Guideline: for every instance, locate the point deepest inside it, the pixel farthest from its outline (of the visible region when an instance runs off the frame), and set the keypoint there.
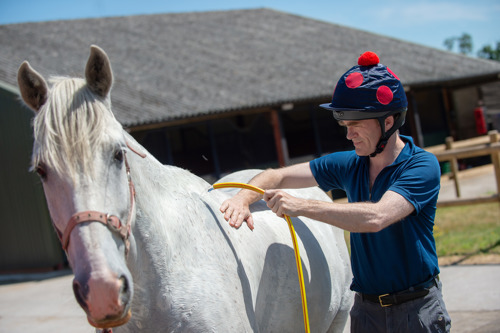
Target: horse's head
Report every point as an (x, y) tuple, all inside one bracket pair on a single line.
[(79, 153)]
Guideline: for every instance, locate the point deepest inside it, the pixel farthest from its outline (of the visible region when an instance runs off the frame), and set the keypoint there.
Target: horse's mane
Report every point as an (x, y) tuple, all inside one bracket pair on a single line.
[(69, 124)]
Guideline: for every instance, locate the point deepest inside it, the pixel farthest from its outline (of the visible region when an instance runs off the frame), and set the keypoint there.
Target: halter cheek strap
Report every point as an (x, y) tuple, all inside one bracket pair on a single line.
[(111, 221)]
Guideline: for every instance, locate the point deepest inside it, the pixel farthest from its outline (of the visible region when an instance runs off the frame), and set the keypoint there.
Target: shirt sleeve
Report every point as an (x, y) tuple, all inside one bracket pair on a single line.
[(330, 170), (419, 182)]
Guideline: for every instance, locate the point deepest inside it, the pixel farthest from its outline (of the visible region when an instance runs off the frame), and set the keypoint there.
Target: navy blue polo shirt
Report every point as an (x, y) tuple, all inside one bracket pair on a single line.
[(404, 254)]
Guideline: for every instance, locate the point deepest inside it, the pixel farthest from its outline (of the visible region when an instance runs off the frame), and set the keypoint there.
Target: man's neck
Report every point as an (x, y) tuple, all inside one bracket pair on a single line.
[(392, 150)]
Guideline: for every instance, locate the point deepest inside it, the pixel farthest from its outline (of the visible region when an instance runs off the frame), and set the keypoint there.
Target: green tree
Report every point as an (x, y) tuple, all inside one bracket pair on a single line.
[(464, 43), (449, 42), (488, 52)]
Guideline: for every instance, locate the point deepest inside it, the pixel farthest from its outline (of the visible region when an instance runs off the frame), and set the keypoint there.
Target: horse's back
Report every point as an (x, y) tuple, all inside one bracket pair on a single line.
[(268, 257)]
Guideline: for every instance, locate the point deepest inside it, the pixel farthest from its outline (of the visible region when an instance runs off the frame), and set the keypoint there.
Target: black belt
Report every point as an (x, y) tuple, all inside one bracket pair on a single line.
[(402, 297)]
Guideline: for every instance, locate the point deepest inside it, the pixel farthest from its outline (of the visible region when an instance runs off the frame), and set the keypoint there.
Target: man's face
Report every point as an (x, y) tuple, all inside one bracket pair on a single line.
[(364, 134)]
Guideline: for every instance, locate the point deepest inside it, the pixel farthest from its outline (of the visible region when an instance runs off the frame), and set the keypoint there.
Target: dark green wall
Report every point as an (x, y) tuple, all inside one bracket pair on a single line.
[(27, 238)]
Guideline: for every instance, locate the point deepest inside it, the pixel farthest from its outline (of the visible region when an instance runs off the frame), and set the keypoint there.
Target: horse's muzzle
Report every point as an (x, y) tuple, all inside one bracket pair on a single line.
[(105, 301)]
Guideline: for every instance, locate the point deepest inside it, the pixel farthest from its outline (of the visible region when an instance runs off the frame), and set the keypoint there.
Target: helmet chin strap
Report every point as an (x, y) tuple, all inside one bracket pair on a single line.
[(399, 120), (380, 146)]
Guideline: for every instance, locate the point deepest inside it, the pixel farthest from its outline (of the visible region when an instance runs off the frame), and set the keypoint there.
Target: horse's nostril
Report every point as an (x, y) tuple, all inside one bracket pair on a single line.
[(124, 284), (80, 294), (124, 290)]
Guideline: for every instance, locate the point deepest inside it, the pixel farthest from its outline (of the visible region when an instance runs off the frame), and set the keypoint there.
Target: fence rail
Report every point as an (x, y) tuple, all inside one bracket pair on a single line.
[(452, 151)]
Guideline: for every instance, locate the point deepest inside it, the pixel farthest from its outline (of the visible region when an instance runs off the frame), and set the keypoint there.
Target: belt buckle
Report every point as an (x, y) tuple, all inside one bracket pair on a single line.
[(381, 302)]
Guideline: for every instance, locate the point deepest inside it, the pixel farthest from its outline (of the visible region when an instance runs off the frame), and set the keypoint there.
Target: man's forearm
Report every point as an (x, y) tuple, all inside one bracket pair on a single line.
[(360, 216), (353, 217), (267, 179)]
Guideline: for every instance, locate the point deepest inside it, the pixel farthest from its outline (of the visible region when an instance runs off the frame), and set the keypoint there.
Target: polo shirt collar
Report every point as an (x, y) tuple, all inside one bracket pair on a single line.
[(407, 151), (404, 155)]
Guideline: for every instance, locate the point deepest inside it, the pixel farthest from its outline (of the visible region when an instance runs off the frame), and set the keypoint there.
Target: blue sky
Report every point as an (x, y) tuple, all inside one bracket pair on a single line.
[(426, 22)]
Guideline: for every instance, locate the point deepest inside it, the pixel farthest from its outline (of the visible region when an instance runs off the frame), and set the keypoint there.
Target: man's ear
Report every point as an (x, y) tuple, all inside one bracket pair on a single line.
[(389, 122)]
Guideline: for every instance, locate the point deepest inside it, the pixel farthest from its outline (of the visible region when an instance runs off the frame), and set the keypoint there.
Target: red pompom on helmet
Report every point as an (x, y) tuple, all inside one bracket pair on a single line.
[(368, 59)]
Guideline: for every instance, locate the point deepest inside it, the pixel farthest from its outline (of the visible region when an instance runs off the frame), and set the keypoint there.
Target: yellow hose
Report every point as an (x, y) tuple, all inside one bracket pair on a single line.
[(294, 241)]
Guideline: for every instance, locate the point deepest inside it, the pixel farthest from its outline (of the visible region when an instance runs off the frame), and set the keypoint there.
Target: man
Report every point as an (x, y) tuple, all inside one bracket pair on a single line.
[(392, 187)]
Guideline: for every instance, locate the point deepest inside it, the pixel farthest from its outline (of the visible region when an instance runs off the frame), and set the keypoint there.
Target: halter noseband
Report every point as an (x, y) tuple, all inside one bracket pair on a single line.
[(111, 221)]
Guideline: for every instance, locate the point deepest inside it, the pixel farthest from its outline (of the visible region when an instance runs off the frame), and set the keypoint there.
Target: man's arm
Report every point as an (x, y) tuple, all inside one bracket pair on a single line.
[(236, 209), (353, 217)]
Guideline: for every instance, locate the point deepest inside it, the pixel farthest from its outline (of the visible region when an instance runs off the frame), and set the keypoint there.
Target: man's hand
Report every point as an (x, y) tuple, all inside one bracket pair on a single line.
[(236, 211), (282, 203)]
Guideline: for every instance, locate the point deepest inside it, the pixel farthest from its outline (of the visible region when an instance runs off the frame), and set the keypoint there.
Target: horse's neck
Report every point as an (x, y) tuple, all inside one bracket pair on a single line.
[(163, 189), (165, 196)]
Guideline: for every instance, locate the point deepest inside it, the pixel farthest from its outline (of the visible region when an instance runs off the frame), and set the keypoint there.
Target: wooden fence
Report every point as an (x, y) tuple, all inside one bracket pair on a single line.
[(452, 151)]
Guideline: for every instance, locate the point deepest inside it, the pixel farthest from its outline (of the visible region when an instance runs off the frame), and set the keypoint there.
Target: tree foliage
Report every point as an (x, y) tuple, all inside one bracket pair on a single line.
[(464, 43), (488, 52), (465, 46)]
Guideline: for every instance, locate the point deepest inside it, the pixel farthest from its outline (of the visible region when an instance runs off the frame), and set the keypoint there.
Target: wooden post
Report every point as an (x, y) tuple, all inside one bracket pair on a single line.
[(453, 166), (447, 110), (416, 127), (279, 139), (495, 157)]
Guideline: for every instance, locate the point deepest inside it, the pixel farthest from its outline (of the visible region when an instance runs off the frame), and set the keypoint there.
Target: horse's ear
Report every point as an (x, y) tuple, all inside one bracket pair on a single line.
[(98, 72), (32, 86)]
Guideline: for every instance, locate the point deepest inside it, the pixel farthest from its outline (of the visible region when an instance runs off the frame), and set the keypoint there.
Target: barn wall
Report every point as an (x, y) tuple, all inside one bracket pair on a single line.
[(27, 239)]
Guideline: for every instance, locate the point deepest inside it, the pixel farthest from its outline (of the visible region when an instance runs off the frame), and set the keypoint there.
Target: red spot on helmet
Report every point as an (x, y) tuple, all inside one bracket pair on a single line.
[(368, 59), (384, 95), (354, 80)]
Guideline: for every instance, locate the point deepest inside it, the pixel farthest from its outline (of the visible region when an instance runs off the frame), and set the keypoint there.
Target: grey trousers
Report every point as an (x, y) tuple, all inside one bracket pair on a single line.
[(425, 314)]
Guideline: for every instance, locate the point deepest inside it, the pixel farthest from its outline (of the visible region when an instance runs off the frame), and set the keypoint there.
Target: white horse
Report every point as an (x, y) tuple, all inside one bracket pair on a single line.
[(159, 257)]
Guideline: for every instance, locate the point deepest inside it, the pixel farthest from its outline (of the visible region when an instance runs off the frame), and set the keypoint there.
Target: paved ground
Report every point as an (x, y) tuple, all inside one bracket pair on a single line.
[(472, 296), (44, 303), (473, 183)]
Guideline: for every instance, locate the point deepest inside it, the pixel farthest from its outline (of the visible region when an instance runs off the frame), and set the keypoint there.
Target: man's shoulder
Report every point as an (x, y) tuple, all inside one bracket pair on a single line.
[(423, 155), (336, 161), (416, 151), (342, 157)]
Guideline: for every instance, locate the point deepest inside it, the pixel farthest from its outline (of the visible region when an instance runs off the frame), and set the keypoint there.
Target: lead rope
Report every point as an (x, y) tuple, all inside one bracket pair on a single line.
[(294, 241)]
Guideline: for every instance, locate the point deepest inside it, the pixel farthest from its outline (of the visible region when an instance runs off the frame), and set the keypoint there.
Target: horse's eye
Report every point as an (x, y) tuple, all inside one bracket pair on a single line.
[(119, 155), (41, 171)]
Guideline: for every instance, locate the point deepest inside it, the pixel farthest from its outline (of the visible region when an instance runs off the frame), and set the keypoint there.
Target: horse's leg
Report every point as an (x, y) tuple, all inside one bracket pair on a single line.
[(338, 324), (340, 320)]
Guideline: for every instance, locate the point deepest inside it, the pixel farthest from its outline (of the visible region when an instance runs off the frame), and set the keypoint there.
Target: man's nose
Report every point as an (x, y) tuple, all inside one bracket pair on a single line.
[(350, 133)]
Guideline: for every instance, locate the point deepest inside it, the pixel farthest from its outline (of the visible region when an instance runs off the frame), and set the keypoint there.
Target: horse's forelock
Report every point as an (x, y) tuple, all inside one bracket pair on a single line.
[(72, 121)]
